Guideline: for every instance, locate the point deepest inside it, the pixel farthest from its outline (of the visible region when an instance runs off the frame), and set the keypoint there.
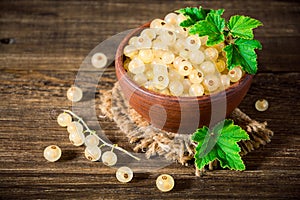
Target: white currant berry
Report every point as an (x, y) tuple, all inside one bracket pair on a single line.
[(91, 140), (130, 51), (177, 61), (165, 182), (196, 57), (196, 76), (76, 139), (225, 81), (261, 105), (235, 74), (52, 153), (220, 65), (146, 55), (149, 32), (109, 158), (124, 174), (157, 23), (92, 153), (196, 90), (211, 53), (141, 78), (99, 60), (74, 94), (208, 67), (64, 119), (136, 66), (192, 43), (211, 83), (75, 127), (168, 37), (185, 68), (176, 88), (167, 57), (171, 18), (143, 42)]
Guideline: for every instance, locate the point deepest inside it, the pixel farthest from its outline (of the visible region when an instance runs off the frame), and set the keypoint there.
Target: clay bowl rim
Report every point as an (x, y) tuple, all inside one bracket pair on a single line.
[(205, 98)]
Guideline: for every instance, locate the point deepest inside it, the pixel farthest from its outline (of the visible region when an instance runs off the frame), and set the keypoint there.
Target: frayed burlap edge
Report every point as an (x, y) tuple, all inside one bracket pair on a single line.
[(173, 146)]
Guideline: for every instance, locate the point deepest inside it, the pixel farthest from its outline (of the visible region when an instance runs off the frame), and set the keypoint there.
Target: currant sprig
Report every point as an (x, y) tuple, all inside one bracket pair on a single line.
[(92, 152)]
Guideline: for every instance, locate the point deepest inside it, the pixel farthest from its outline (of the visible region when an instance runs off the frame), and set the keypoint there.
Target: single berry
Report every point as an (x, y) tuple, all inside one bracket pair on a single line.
[(52, 153)]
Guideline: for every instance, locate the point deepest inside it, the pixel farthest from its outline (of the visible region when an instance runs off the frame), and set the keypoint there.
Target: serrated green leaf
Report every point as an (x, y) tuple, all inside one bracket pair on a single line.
[(232, 161), (200, 134), (187, 23), (219, 11), (221, 144), (242, 26), (193, 13), (212, 26), (242, 53), (202, 161)]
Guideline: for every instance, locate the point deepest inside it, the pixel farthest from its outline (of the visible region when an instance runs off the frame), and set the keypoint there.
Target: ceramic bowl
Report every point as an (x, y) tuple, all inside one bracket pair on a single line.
[(178, 114)]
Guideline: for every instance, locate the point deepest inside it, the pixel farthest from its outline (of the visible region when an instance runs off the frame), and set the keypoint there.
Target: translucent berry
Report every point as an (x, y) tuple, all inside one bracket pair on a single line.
[(143, 42), (165, 183), (130, 51), (149, 74), (76, 139), (99, 60), (186, 85), (225, 81), (174, 75), (52, 153), (146, 55), (149, 32), (75, 127), (140, 79), (92, 153), (159, 45), (176, 88), (208, 67), (177, 61), (211, 53), (235, 74), (211, 83), (192, 43), (91, 140), (157, 23), (167, 57), (64, 119), (184, 53), (196, 76), (136, 66), (74, 94), (168, 37), (196, 57), (261, 105), (196, 90), (171, 18), (220, 65), (160, 81), (185, 68), (109, 158), (124, 174)]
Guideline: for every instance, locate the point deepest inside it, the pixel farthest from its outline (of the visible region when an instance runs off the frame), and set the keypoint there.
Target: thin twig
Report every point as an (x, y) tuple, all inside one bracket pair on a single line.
[(94, 132)]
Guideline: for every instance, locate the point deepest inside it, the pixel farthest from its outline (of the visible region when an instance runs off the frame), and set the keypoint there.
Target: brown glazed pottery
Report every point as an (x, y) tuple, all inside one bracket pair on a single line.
[(178, 114)]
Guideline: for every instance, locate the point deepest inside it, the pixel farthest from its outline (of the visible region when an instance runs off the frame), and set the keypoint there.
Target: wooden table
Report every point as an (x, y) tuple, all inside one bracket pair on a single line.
[(51, 39)]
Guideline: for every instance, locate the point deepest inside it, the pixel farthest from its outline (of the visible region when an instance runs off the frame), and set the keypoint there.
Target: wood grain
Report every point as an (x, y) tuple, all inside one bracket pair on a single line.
[(51, 40)]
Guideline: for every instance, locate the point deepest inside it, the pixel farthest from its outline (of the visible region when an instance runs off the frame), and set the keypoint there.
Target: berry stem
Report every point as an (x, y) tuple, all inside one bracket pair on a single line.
[(88, 130)]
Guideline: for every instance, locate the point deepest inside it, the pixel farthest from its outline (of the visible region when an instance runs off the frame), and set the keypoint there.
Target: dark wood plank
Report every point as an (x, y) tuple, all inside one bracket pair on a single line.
[(52, 38)]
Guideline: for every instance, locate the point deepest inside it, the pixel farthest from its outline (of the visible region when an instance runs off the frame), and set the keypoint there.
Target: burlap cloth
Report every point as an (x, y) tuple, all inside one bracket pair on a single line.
[(173, 146)]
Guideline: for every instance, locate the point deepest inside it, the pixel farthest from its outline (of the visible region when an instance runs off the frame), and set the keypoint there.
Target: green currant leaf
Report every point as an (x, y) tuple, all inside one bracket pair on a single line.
[(242, 26), (212, 26), (220, 143), (193, 15), (218, 12), (242, 53)]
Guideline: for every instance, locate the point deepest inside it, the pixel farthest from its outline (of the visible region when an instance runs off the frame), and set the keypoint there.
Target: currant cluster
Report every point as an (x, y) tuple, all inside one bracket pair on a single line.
[(166, 59)]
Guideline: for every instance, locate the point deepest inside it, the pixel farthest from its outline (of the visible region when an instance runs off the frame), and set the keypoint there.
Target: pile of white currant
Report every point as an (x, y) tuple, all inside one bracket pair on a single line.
[(166, 59)]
